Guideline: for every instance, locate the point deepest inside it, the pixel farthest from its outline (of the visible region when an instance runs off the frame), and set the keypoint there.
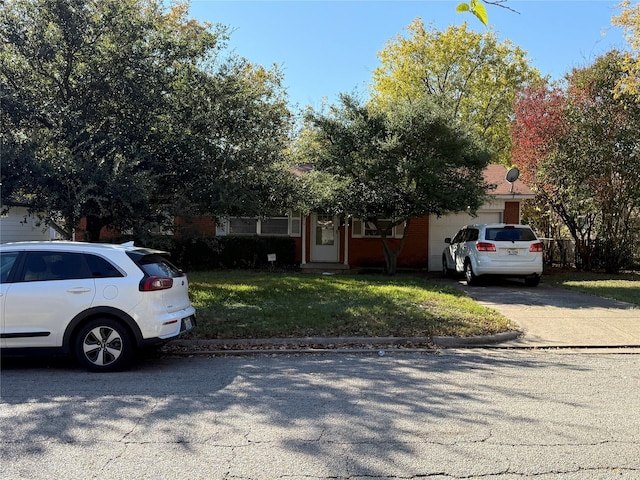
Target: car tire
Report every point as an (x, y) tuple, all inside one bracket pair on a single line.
[(532, 281), (469, 276), (104, 345), (446, 271)]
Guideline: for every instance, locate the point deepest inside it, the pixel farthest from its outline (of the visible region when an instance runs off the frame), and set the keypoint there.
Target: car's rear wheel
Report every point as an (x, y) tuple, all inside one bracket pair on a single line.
[(446, 271), (469, 276), (532, 281), (104, 345)]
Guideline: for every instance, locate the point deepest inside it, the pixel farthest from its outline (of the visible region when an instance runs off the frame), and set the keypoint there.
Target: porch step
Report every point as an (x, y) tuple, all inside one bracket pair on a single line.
[(317, 267)]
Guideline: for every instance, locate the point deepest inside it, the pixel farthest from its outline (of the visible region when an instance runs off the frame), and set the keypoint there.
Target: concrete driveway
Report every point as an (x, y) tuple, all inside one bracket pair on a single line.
[(555, 317)]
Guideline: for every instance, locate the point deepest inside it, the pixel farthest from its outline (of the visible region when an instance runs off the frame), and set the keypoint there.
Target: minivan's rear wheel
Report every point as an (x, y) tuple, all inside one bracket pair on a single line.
[(104, 345), (469, 276), (532, 281), (446, 271)]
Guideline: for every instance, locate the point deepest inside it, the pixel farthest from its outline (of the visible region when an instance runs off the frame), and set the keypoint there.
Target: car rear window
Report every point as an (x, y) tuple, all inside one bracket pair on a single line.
[(510, 234), (155, 265)]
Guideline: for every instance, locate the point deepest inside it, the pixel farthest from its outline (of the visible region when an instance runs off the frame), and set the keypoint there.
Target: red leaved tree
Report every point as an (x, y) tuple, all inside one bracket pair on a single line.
[(578, 148), (539, 129)]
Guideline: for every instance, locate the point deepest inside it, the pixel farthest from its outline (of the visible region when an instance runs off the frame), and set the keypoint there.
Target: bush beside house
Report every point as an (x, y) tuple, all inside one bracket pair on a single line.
[(206, 253)]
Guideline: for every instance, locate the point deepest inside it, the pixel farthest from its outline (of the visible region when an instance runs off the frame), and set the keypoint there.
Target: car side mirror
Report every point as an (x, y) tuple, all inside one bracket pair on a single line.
[(447, 240)]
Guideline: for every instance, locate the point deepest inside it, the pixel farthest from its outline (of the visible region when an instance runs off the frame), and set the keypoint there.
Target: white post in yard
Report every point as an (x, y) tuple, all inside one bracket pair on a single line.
[(346, 240), (304, 240)]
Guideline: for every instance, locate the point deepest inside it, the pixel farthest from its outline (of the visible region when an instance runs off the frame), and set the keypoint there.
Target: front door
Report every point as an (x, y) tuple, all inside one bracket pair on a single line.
[(324, 238)]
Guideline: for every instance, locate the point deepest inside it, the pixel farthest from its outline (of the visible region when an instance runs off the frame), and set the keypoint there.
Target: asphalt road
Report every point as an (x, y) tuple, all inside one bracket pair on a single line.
[(472, 414)]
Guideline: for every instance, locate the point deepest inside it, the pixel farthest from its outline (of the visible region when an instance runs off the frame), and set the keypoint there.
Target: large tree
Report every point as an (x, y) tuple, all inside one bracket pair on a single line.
[(389, 166), (579, 147), (629, 20), (124, 111), (473, 76)]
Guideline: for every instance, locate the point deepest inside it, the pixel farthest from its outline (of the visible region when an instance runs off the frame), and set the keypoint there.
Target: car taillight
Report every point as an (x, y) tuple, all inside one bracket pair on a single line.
[(151, 284), (485, 247), (536, 247)]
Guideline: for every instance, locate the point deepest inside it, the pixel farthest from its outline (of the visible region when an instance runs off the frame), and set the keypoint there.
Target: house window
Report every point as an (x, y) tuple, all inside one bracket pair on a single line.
[(295, 222), (275, 226), (157, 229), (242, 226), (366, 229)]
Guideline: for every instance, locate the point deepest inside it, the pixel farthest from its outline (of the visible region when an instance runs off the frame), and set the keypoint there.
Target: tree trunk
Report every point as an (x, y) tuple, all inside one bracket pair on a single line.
[(390, 258), (94, 225), (391, 255)]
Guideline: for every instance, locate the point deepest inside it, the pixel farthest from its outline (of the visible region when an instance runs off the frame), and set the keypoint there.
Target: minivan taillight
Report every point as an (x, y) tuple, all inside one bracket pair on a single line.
[(485, 247), (151, 284), (536, 247)]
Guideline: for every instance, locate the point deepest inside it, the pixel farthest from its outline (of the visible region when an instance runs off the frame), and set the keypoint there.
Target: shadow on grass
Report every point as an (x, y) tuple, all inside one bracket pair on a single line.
[(259, 305)]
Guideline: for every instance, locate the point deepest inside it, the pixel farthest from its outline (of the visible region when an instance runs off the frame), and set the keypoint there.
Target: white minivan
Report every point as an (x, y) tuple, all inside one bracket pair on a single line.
[(99, 302), (509, 250)]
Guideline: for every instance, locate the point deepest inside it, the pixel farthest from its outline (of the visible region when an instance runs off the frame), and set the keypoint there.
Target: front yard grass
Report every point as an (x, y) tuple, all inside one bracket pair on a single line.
[(243, 304), (624, 287)]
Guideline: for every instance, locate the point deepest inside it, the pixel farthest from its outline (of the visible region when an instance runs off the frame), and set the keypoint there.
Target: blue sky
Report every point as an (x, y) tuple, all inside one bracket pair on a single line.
[(327, 47)]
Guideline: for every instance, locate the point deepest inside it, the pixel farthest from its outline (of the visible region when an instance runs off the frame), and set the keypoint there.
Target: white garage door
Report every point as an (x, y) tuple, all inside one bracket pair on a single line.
[(447, 226)]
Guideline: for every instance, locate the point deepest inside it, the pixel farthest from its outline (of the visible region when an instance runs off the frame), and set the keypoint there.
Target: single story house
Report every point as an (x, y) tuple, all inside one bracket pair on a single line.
[(325, 242)]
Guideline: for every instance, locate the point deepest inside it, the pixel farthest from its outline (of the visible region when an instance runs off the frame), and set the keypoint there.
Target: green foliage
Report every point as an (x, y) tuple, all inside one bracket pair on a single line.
[(75, 105), (623, 287), (477, 8), (204, 253), (237, 304), (472, 76), (586, 166), (403, 162), (123, 111), (629, 20)]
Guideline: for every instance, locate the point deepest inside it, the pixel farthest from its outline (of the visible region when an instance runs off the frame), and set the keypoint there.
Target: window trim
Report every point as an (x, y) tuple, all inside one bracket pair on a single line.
[(294, 226), (359, 229)]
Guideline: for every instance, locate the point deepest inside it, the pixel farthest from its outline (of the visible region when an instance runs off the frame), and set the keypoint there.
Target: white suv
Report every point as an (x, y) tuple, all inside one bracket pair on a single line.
[(98, 301), (494, 249)]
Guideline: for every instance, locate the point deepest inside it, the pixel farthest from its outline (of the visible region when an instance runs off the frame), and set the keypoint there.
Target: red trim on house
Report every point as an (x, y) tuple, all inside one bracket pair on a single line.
[(511, 212)]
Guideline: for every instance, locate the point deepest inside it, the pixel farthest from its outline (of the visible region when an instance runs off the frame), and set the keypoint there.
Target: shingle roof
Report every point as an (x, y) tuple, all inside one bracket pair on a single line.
[(495, 175)]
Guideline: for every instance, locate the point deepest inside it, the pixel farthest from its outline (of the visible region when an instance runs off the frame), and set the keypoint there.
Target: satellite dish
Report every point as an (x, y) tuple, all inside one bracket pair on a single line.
[(512, 175)]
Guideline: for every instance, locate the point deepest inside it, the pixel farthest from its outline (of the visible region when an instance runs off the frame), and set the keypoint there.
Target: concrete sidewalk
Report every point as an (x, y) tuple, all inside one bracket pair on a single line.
[(555, 317)]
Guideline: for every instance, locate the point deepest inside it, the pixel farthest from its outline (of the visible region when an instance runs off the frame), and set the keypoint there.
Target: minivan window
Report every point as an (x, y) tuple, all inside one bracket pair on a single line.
[(472, 235), (510, 234), (459, 236)]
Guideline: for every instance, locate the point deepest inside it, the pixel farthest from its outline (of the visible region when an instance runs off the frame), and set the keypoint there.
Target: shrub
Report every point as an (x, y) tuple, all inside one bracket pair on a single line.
[(206, 253)]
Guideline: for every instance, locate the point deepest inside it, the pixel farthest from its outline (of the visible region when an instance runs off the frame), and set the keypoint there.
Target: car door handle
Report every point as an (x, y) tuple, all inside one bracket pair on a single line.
[(79, 290)]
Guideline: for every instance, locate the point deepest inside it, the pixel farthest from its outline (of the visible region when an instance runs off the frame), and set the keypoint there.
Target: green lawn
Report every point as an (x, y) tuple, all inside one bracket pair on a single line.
[(241, 304), (625, 287)]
